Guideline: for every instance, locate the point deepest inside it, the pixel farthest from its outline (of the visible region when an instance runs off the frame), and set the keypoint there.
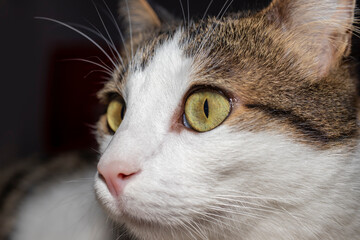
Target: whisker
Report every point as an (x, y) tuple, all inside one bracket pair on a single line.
[(204, 235), (97, 32), (253, 194), (99, 59), (107, 33), (247, 214), (130, 29), (197, 229), (183, 12), (95, 71), (296, 219), (207, 9), (80, 180), (210, 30), (215, 220), (188, 13), (120, 236), (82, 34), (230, 219), (95, 150), (118, 29), (189, 230), (208, 35), (259, 208), (254, 197), (110, 45), (106, 69)]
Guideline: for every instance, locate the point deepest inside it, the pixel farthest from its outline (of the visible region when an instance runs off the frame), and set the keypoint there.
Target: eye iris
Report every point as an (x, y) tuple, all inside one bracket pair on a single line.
[(115, 113), (205, 110)]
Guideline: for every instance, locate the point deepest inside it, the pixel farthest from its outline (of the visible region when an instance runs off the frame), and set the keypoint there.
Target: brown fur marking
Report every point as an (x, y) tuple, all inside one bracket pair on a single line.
[(266, 62)]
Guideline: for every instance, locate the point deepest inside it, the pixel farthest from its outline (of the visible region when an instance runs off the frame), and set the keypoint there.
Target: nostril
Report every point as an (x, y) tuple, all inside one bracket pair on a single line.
[(123, 176), (116, 176)]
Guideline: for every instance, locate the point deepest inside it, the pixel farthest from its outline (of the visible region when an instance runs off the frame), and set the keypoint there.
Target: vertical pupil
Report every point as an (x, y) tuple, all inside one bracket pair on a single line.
[(206, 108), (122, 112)]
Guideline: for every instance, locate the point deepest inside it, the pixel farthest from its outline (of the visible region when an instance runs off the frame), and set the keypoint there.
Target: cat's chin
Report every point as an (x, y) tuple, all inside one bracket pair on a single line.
[(122, 214), (133, 222)]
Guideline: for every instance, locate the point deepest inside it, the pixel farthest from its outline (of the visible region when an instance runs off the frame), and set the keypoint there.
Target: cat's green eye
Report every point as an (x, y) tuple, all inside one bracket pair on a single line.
[(205, 110), (115, 113)]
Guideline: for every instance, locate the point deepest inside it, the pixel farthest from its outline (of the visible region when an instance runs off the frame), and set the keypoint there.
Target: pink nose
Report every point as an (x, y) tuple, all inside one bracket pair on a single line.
[(116, 176)]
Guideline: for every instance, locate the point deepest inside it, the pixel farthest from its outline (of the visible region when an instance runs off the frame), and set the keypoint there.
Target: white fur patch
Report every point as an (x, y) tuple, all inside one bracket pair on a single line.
[(65, 209), (151, 97)]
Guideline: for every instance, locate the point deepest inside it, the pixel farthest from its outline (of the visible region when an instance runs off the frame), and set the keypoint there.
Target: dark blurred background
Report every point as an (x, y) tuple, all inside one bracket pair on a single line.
[(48, 103)]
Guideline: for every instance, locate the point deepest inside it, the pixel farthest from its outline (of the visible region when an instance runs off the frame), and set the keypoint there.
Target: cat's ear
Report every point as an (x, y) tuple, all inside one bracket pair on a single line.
[(138, 15), (320, 28)]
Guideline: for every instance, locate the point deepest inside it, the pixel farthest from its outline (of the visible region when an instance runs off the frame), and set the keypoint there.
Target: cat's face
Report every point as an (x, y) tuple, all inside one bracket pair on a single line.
[(214, 126)]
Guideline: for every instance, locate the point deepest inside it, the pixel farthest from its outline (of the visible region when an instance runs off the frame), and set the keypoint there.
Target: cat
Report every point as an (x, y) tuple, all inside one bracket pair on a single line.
[(242, 126)]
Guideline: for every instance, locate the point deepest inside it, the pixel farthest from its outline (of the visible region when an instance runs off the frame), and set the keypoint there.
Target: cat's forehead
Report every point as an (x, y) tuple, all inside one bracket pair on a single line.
[(166, 74), (208, 44), (246, 57), (157, 65)]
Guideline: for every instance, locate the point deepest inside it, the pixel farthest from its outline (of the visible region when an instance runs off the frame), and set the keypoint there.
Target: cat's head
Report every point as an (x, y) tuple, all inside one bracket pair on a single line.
[(216, 123)]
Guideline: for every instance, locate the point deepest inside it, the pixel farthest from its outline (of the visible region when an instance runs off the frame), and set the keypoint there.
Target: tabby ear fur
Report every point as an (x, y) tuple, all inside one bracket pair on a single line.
[(319, 29), (137, 16)]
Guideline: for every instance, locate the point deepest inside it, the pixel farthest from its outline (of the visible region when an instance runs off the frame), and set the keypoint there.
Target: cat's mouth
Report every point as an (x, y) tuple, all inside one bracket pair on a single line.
[(130, 211), (139, 218), (139, 212)]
